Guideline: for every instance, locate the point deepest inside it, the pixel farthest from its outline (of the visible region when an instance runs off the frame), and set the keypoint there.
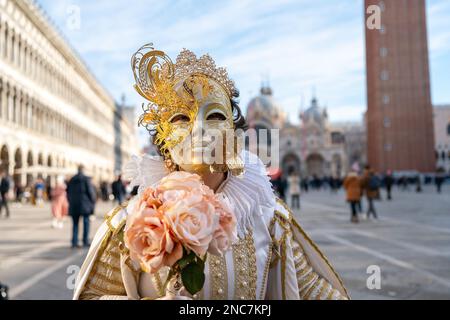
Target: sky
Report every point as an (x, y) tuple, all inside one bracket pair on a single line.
[(298, 46)]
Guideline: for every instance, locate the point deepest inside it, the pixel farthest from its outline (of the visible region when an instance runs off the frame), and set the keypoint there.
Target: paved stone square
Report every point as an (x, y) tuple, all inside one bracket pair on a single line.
[(409, 244)]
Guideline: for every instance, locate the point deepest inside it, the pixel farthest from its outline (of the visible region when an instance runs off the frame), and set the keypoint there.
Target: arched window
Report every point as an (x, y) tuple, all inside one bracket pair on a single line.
[(448, 129)]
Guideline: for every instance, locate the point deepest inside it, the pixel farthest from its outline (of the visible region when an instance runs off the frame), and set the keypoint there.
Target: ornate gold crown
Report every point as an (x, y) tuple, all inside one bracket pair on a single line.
[(152, 68), (188, 64)]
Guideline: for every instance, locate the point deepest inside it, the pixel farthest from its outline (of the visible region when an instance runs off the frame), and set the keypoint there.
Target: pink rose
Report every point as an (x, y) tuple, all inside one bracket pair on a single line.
[(193, 221), (183, 181), (190, 211), (150, 241), (151, 197), (180, 212)]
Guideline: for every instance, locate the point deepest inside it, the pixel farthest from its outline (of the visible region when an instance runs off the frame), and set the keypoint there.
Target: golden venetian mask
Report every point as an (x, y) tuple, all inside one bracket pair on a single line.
[(190, 111)]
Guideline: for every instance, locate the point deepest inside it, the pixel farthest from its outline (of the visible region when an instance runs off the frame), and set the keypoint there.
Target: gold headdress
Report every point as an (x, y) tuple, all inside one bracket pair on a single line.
[(156, 77)]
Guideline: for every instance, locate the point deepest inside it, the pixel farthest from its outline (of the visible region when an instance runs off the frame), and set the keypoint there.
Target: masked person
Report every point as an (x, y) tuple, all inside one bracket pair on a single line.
[(191, 113)]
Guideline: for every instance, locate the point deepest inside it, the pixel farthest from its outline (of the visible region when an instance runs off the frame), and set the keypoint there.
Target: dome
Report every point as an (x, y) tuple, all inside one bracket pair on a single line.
[(315, 113), (263, 108)]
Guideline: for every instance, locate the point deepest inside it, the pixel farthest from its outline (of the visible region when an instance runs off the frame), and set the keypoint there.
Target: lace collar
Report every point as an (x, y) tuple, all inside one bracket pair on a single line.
[(246, 192)]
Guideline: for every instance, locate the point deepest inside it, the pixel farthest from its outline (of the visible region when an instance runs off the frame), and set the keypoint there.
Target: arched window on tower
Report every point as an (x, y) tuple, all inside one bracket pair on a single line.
[(448, 129)]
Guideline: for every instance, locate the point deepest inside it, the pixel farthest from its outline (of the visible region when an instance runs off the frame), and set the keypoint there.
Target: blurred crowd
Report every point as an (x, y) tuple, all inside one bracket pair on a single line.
[(42, 191), (75, 197), (78, 196), (358, 184)]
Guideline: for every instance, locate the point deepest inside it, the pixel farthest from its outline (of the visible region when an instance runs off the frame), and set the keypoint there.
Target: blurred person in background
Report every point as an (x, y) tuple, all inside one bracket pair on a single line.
[(59, 203), (404, 183), (418, 180), (283, 187), (278, 183), (305, 184), (39, 192), (5, 186), (352, 186), (118, 190), (48, 190), (81, 197), (388, 182), (104, 191), (357, 169), (19, 193), (294, 189), (371, 185), (27, 194), (439, 179)]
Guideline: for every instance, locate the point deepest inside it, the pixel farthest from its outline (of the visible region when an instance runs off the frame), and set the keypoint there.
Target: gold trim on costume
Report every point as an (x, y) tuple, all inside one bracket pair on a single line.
[(321, 255), (315, 247), (105, 277), (158, 283), (266, 271), (244, 259), (218, 277)]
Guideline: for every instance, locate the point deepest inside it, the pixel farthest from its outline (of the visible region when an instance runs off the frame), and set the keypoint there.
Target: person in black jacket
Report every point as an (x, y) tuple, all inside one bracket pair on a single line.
[(118, 190), (388, 182), (81, 196), (4, 189)]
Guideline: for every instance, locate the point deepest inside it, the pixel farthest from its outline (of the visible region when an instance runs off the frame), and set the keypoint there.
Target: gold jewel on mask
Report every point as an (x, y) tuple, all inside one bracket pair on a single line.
[(234, 163)]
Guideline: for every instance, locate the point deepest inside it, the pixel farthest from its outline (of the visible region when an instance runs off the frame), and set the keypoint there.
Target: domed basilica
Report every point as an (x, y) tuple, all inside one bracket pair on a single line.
[(315, 147)]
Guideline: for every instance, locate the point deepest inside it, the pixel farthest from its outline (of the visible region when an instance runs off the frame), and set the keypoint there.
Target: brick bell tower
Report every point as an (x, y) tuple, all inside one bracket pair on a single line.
[(399, 109)]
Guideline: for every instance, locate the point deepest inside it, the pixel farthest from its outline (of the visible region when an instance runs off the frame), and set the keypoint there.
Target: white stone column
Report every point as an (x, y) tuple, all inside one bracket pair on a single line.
[(2, 38), (12, 163), (9, 103), (23, 174), (3, 100)]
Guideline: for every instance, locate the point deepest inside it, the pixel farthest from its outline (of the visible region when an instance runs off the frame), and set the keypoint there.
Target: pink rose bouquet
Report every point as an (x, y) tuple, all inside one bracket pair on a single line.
[(176, 224)]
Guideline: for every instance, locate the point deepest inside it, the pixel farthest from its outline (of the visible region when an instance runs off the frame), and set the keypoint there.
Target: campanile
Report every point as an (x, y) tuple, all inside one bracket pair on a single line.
[(399, 109)]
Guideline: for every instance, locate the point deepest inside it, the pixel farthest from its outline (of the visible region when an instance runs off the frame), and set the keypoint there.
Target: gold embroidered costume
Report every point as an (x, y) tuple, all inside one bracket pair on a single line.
[(284, 271), (273, 259)]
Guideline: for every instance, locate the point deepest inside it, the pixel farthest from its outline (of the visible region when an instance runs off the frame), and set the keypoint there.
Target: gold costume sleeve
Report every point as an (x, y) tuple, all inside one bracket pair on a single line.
[(313, 279), (105, 280), (311, 286)]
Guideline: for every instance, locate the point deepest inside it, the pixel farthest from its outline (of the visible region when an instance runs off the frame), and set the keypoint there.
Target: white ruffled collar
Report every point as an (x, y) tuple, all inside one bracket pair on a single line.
[(246, 192)]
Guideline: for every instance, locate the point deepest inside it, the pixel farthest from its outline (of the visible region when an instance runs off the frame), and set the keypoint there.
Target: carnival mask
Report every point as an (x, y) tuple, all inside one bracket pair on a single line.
[(190, 111)]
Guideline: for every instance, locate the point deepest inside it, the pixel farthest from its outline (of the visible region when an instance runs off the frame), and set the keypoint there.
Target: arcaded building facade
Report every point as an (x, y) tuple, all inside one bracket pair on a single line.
[(54, 115)]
